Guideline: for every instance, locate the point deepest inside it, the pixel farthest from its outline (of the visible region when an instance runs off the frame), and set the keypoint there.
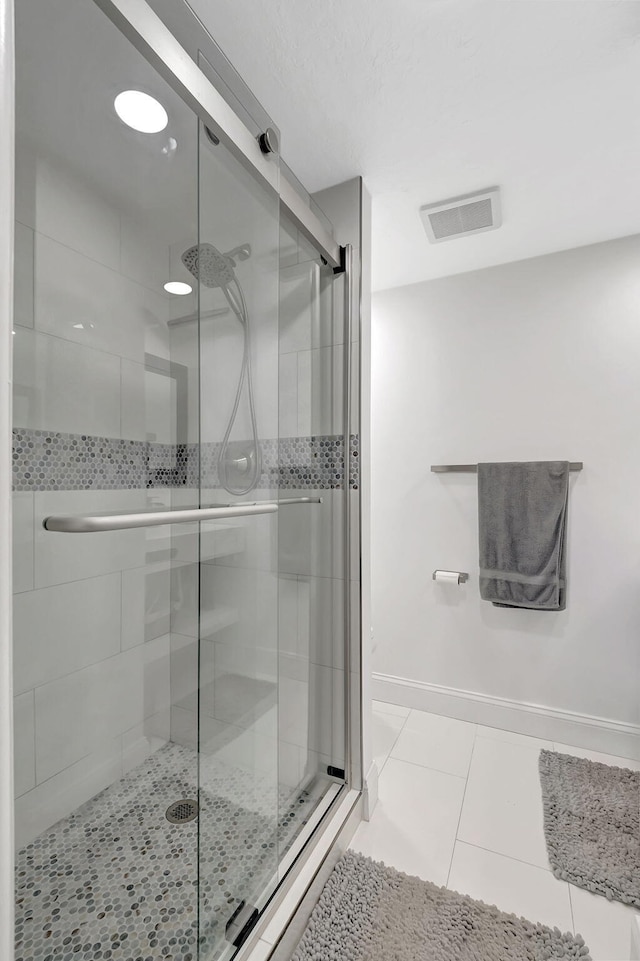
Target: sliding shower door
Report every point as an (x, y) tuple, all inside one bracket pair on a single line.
[(146, 380)]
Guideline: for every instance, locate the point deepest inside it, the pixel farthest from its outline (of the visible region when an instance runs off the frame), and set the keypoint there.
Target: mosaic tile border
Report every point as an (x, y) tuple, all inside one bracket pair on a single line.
[(51, 461)]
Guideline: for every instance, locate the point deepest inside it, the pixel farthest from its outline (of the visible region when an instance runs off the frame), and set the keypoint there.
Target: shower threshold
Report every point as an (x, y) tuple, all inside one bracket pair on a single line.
[(116, 881)]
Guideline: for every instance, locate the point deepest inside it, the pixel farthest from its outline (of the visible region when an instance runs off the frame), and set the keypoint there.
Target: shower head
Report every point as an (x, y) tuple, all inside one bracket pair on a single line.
[(209, 266)]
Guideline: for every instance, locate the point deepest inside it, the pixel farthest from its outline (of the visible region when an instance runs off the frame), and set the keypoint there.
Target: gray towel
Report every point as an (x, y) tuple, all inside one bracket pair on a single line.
[(522, 513)]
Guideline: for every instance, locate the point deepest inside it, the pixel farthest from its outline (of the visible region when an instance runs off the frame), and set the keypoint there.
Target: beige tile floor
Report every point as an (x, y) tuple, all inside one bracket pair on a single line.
[(460, 805)]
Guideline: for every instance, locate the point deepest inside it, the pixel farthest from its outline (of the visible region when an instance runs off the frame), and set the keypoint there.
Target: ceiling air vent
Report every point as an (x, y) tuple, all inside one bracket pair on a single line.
[(461, 216)]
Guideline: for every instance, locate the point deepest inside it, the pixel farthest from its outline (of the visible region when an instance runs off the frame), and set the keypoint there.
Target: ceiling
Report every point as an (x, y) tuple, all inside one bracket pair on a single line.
[(429, 99)]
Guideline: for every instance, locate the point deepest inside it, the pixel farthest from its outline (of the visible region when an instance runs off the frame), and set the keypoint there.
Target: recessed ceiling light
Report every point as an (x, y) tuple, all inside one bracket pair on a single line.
[(140, 111), (177, 287)]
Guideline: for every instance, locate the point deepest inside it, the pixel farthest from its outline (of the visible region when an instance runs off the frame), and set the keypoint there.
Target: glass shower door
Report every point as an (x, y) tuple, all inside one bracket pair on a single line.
[(236, 267), (144, 652)]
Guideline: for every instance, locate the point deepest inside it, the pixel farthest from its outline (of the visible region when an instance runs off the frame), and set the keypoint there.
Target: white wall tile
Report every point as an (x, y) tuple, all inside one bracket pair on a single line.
[(74, 214), (291, 764), (252, 752), (327, 712), (146, 605), (63, 557), (24, 759), (143, 257), (306, 308), (258, 534), (64, 628), (156, 685), (77, 713), (294, 711), (224, 539), (81, 300), (185, 598), (250, 660), (23, 276), (295, 321), (63, 386), (247, 599), (288, 395), (184, 671), (63, 793), (143, 740), (320, 390), (310, 538), (184, 727), (23, 520), (132, 627), (321, 620), (304, 392), (133, 420), (288, 638)]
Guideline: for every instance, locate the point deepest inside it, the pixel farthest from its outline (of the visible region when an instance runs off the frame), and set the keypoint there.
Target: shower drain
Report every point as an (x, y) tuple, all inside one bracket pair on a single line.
[(182, 811)]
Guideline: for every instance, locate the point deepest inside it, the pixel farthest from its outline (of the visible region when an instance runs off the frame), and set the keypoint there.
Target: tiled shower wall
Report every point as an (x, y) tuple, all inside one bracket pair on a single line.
[(91, 612)]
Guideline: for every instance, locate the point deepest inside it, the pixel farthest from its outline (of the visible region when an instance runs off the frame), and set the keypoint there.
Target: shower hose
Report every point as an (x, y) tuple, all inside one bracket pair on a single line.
[(251, 464)]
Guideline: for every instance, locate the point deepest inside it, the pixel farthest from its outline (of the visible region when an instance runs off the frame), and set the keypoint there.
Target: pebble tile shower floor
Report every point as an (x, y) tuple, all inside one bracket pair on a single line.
[(117, 881)]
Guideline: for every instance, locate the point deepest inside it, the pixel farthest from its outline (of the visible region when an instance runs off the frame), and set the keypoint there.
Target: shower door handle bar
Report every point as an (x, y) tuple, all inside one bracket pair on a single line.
[(92, 523), (285, 501)]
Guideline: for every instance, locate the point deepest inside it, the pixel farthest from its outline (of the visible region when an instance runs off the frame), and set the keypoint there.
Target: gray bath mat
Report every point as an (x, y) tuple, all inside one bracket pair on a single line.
[(592, 824), (369, 912)]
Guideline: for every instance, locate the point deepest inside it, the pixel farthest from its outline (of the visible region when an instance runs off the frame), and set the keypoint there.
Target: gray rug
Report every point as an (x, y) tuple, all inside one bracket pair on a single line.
[(592, 824), (369, 912)]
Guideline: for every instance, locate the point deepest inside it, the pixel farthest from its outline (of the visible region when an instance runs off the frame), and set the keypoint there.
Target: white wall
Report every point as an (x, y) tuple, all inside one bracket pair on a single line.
[(534, 360)]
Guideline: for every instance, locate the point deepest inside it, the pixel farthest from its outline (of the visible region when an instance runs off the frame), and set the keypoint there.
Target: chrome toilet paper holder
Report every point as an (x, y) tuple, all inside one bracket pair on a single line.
[(463, 577)]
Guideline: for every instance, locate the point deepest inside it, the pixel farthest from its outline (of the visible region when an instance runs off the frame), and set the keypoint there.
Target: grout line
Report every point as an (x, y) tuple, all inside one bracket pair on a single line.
[(437, 770), (400, 730), (573, 920), (509, 857), (464, 794)]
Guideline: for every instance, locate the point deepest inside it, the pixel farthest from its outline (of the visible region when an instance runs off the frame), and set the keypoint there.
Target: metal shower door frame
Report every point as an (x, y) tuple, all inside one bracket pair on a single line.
[(145, 30)]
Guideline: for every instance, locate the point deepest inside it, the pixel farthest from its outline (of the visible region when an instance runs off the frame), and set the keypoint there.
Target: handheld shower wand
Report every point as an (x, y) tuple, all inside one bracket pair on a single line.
[(214, 269)]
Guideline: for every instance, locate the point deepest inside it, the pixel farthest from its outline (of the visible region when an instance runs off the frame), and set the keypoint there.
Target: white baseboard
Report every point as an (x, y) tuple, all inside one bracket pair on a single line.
[(567, 727)]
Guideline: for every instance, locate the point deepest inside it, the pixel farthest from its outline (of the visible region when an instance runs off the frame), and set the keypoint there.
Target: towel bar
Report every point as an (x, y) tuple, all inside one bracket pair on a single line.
[(473, 468)]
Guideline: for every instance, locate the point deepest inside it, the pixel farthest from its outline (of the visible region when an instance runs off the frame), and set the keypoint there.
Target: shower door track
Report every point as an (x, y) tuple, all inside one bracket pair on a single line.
[(146, 31)]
